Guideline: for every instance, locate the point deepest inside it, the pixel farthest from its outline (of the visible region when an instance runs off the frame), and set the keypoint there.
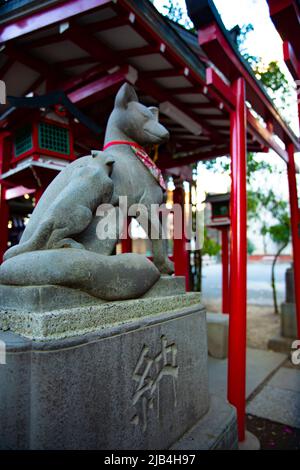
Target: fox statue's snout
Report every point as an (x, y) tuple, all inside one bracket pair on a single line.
[(155, 132), (137, 121)]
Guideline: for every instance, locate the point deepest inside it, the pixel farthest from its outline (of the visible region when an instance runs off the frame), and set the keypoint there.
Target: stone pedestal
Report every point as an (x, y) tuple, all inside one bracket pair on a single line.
[(289, 286), (288, 330), (288, 320), (217, 334), (118, 375), (288, 308)]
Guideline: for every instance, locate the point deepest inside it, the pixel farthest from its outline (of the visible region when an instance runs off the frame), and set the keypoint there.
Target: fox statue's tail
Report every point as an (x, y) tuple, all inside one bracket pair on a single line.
[(119, 277)]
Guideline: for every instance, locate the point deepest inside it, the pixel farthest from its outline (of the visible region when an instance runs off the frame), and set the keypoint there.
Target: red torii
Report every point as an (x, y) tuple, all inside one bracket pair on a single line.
[(285, 15), (236, 84)]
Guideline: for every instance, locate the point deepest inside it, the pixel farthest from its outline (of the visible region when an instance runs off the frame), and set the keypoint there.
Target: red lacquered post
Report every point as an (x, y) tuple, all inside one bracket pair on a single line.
[(238, 260), (4, 217), (225, 271), (180, 253), (295, 221), (126, 242), (38, 194), (5, 153)]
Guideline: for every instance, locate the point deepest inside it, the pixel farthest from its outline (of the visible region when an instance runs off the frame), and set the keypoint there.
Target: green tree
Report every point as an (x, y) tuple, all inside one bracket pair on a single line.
[(270, 75), (210, 246), (278, 228), (176, 13), (250, 247)]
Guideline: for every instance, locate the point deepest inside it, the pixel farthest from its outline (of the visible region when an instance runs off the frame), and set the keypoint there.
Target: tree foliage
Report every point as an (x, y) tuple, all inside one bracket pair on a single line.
[(175, 12), (278, 227), (210, 246), (270, 75)]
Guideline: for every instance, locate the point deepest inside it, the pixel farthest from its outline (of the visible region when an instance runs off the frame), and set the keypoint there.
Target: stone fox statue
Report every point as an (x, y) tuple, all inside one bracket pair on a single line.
[(60, 244), (65, 215), (67, 206), (132, 123)]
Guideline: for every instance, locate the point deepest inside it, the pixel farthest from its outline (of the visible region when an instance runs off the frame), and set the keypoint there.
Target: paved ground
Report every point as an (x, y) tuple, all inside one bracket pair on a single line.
[(279, 399), (258, 282), (260, 364), (273, 396)]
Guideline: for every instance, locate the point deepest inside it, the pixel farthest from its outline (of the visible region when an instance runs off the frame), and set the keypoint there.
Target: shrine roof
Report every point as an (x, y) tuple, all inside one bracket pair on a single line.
[(285, 15)]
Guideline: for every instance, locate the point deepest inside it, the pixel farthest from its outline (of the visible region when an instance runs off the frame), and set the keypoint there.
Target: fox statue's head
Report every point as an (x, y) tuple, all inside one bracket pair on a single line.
[(134, 120)]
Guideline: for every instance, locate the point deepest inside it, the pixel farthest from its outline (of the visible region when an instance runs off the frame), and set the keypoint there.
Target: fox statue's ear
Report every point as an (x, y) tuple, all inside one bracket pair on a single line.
[(125, 95), (154, 111)]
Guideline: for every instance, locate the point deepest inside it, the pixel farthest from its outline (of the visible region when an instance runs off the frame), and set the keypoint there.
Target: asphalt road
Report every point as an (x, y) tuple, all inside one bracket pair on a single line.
[(258, 282)]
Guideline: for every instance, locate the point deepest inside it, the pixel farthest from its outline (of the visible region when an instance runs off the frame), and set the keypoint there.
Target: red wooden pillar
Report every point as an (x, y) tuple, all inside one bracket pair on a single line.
[(126, 242), (38, 194), (295, 226), (4, 217), (225, 270), (238, 259), (180, 253), (5, 153)]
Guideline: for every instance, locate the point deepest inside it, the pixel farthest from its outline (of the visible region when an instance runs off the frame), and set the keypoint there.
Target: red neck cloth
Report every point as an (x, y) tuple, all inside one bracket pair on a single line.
[(144, 158)]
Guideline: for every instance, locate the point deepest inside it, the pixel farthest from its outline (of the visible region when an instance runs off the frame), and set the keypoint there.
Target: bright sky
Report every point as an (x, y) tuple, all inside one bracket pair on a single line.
[(264, 41)]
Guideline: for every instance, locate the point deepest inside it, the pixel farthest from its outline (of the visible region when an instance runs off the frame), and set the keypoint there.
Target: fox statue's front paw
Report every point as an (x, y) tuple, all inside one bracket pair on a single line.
[(165, 267)]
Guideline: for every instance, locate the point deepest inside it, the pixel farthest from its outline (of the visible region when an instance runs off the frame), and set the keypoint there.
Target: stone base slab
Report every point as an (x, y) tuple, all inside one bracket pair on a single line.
[(40, 313), (217, 335), (47, 298), (288, 320), (251, 442), (281, 344), (217, 430), (137, 385)]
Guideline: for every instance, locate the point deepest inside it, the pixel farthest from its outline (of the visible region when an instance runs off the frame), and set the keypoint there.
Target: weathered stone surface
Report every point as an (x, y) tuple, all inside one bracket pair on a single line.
[(280, 344), (61, 321), (287, 379), (288, 329), (43, 298), (277, 404), (62, 397), (48, 298), (288, 320), (125, 276), (166, 286), (260, 364), (70, 237), (217, 430), (289, 286), (217, 334), (250, 443), (67, 206), (15, 398)]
